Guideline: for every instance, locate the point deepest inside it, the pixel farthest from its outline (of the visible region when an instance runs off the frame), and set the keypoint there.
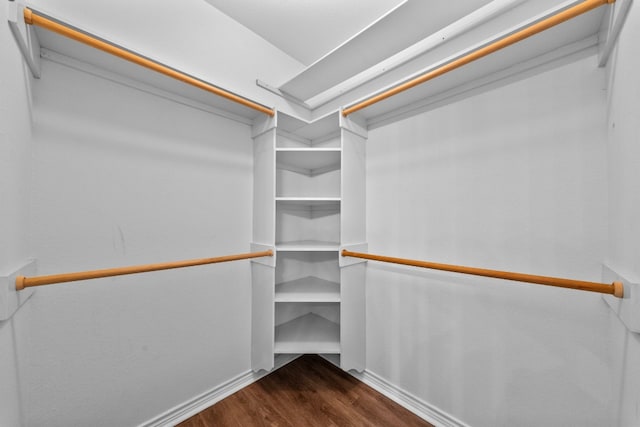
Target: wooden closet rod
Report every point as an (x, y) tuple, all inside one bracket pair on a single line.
[(615, 289), (508, 40), (26, 282), (32, 17)]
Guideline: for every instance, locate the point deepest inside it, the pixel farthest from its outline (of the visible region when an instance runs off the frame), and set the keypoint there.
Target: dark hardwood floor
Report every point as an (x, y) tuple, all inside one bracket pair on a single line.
[(307, 392)]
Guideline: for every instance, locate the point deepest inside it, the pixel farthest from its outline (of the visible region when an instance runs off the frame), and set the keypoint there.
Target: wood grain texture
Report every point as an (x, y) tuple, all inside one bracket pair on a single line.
[(616, 288), (307, 392), (33, 18), (483, 51), (25, 282)]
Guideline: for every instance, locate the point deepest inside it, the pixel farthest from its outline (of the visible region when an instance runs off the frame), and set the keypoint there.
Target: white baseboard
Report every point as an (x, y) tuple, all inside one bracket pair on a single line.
[(419, 407), (207, 399)]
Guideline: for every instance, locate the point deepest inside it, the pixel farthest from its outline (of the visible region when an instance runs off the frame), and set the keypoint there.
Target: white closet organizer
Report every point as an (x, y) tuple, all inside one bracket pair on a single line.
[(308, 204), (309, 177)]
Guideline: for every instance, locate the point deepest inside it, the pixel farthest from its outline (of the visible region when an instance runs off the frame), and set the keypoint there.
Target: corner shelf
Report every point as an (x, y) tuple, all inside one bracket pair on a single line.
[(308, 289), (308, 201), (307, 246), (307, 334), (78, 55), (307, 302), (308, 161), (310, 178), (307, 219)]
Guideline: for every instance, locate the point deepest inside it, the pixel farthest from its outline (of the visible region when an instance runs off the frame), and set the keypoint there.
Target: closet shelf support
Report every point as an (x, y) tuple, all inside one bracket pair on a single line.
[(32, 17), (481, 52)]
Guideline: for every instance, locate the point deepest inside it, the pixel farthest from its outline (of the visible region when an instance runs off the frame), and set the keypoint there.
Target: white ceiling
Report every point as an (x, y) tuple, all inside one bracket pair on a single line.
[(305, 29)]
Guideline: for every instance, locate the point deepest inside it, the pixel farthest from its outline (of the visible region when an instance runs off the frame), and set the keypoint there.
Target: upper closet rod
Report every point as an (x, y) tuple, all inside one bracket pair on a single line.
[(615, 289), (32, 17), (25, 282), (529, 31)]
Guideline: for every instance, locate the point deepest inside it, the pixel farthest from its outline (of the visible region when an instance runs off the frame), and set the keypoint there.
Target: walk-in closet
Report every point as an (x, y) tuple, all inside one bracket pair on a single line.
[(387, 212)]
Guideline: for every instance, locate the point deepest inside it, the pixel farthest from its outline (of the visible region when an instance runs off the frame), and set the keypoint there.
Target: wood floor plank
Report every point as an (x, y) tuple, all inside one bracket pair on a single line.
[(307, 392)]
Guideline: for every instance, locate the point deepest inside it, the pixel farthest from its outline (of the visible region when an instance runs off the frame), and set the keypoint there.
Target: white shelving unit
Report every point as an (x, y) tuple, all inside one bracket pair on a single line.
[(308, 204), (303, 171)]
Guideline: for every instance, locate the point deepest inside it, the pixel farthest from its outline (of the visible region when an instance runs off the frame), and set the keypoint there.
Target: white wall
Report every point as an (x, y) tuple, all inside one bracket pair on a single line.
[(121, 177), (624, 201), (512, 179), (190, 35), (9, 387), (15, 137)]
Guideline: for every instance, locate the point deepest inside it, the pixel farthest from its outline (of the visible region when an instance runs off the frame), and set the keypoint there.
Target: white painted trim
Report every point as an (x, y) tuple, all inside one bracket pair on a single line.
[(25, 36), (207, 399), (64, 60), (10, 299), (424, 410), (619, 11), (476, 18)]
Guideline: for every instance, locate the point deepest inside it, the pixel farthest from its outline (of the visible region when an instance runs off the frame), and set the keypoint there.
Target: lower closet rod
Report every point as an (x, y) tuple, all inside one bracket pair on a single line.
[(25, 282), (615, 288)]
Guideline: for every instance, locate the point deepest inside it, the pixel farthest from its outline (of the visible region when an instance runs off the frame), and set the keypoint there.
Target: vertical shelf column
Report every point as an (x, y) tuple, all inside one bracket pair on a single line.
[(309, 201), (307, 297), (353, 236)]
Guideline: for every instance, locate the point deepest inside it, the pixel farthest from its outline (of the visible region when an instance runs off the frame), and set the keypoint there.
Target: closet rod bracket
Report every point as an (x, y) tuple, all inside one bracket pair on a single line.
[(25, 35), (626, 308), (10, 298)]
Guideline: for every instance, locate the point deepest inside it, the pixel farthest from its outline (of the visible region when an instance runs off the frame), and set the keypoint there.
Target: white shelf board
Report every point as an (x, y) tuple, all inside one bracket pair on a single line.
[(308, 289), (389, 35), (309, 149), (75, 54), (314, 160), (628, 307), (307, 246), (569, 33), (308, 201), (316, 129), (307, 334)]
